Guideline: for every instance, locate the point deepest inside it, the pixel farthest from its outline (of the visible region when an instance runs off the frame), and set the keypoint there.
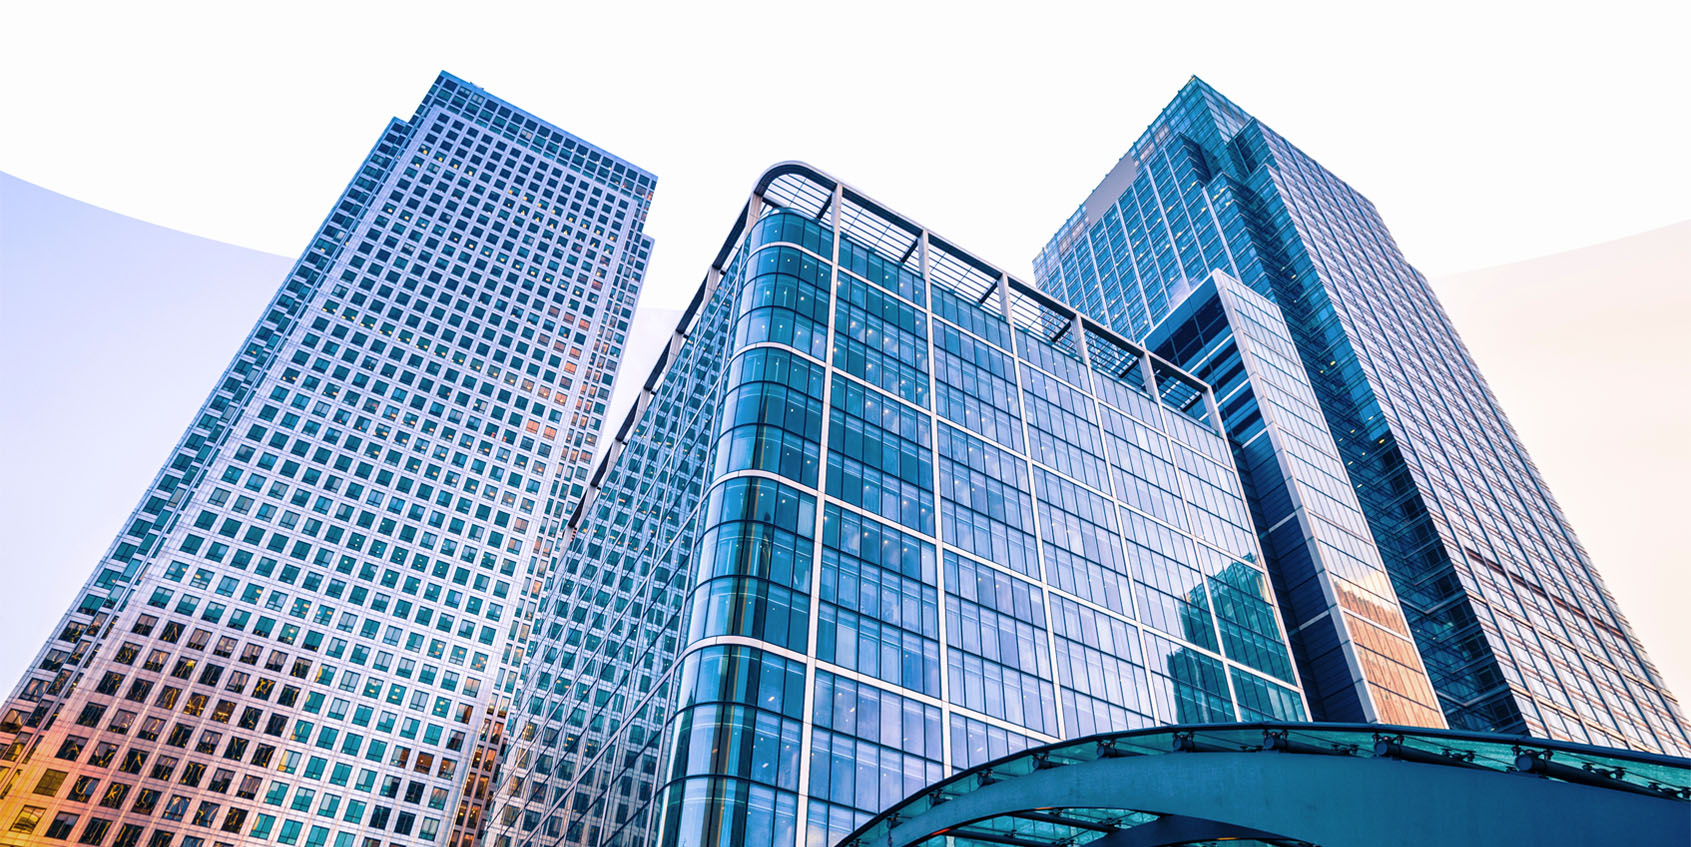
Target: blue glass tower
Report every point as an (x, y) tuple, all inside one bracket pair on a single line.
[(1511, 620), (1355, 652), (883, 512)]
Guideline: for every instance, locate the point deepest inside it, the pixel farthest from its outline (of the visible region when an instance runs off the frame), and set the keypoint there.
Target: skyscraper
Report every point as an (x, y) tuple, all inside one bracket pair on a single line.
[(881, 511), (1353, 646), (309, 629), (1512, 622)]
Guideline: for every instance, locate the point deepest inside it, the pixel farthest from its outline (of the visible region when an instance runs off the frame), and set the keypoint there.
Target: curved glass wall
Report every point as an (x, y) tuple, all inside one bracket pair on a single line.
[(732, 749), (771, 415), (921, 537)]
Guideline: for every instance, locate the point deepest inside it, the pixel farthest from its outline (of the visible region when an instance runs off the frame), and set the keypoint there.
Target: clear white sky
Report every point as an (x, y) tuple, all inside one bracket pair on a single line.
[(1485, 132)]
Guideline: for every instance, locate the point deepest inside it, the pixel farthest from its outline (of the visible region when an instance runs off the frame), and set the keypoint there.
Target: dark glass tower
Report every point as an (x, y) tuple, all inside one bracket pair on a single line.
[(309, 629), (1514, 626)]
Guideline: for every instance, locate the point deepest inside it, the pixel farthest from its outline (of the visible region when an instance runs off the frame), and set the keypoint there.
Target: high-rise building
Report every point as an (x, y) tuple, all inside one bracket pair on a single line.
[(882, 511), (1512, 623), (309, 630), (1354, 651)]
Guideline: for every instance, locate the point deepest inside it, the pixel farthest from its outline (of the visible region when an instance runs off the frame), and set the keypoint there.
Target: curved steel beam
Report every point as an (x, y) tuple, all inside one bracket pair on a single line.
[(1333, 801)]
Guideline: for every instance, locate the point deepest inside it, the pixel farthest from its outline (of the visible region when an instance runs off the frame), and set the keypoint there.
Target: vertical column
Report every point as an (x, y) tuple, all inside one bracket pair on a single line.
[(808, 729), (924, 245)]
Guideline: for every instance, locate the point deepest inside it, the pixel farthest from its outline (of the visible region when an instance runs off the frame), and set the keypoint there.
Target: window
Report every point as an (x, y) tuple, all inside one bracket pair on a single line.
[(146, 799), (261, 755), (121, 722), (95, 831), (225, 709), (102, 755), (278, 791), (115, 794), (83, 789), (176, 809), (128, 835), (208, 742), (261, 827), (61, 826), (91, 713), (206, 814), (27, 818), (72, 748), (49, 783)]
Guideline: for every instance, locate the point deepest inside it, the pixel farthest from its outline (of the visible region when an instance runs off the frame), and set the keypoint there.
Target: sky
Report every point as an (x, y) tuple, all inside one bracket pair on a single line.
[(1486, 133), (1617, 466)]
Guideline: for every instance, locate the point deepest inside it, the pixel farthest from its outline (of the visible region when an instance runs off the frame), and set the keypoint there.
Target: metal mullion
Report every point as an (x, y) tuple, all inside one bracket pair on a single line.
[(1033, 496), (946, 713), (807, 727)]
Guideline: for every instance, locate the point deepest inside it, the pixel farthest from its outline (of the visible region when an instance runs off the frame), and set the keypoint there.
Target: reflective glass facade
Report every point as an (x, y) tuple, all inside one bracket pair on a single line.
[(309, 630), (1352, 643), (1513, 624), (882, 513)]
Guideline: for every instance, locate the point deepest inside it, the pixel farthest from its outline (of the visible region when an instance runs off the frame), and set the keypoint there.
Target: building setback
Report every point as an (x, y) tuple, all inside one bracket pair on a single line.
[(309, 630), (881, 511), (1353, 646), (1512, 622)]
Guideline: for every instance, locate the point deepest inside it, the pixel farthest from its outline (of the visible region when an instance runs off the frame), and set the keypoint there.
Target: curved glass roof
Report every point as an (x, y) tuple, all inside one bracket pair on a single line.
[(1650, 774)]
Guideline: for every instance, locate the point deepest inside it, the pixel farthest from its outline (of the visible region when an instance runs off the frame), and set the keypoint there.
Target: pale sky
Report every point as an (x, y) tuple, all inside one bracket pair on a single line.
[(1486, 133), (1585, 350)]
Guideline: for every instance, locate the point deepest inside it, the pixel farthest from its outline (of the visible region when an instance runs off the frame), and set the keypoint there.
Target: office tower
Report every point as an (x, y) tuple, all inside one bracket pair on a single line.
[(881, 511), (1355, 654), (308, 631), (1513, 623)]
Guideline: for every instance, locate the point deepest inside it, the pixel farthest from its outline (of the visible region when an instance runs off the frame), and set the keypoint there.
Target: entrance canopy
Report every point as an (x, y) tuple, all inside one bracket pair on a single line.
[(1333, 785)]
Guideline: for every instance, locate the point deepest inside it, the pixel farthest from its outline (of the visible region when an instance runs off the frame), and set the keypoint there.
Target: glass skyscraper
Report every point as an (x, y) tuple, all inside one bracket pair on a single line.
[(881, 512), (308, 632), (1356, 657), (1512, 623)]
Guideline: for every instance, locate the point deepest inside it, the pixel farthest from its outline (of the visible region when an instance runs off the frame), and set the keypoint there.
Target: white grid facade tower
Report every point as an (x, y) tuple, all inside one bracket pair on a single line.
[(307, 632)]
